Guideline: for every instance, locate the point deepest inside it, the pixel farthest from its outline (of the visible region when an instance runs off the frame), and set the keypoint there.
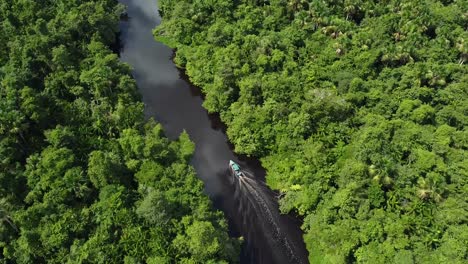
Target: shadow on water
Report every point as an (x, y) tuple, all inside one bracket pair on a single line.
[(250, 207)]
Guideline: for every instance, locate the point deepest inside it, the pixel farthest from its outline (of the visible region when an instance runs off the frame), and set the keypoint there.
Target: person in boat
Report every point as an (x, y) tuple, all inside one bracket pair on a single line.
[(235, 168)]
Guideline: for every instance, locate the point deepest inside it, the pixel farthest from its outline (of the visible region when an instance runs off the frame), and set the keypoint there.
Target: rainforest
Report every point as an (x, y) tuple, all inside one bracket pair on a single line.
[(358, 111), (84, 178)]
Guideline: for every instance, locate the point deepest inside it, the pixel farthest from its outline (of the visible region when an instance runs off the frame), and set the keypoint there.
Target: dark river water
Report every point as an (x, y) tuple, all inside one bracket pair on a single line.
[(250, 208)]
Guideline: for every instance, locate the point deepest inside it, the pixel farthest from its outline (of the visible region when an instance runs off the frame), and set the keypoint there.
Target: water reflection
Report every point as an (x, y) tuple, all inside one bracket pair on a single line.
[(170, 99)]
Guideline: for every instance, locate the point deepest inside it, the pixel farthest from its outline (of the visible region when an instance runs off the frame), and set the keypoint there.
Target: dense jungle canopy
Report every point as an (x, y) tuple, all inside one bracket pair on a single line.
[(357, 109), (83, 177)]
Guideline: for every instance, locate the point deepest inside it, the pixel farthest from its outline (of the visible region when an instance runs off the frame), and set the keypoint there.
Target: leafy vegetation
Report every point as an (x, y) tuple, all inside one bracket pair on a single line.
[(358, 110), (83, 177)]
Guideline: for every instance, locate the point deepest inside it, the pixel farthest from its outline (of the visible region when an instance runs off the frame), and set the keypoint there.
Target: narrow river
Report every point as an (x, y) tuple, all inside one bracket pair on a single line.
[(250, 208)]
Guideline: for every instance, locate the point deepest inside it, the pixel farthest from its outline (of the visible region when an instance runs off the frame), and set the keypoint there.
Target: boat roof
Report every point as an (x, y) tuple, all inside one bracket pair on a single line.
[(234, 165)]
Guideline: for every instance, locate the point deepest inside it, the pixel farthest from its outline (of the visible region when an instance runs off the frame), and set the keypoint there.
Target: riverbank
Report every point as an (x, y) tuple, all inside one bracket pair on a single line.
[(357, 116), (177, 105), (84, 177)]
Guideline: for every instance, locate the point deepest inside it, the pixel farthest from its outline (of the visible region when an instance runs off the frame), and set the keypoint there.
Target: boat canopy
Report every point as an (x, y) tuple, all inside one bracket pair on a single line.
[(234, 165)]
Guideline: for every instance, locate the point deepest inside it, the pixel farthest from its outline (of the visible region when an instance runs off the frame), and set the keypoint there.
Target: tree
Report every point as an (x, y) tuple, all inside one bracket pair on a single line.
[(83, 176), (356, 110)]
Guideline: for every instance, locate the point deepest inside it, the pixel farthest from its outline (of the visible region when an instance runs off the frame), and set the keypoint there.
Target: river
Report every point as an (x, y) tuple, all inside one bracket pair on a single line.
[(171, 100)]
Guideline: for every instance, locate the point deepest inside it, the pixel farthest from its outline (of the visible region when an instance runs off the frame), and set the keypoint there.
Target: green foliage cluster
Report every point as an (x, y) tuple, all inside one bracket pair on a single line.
[(83, 177), (358, 110)]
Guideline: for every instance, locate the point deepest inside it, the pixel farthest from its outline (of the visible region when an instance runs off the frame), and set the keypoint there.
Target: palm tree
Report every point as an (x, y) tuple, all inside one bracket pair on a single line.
[(380, 176), (350, 10), (429, 189), (297, 5)]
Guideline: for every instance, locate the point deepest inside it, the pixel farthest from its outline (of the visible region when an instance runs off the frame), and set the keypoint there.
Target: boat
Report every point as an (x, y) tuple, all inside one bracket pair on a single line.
[(235, 169)]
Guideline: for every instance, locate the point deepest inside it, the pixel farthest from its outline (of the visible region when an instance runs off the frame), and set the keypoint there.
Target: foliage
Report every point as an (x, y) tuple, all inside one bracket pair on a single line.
[(358, 110), (83, 177)]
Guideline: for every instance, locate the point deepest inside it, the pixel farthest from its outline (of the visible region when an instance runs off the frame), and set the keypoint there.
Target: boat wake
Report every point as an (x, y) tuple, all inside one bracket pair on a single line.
[(257, 206)]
